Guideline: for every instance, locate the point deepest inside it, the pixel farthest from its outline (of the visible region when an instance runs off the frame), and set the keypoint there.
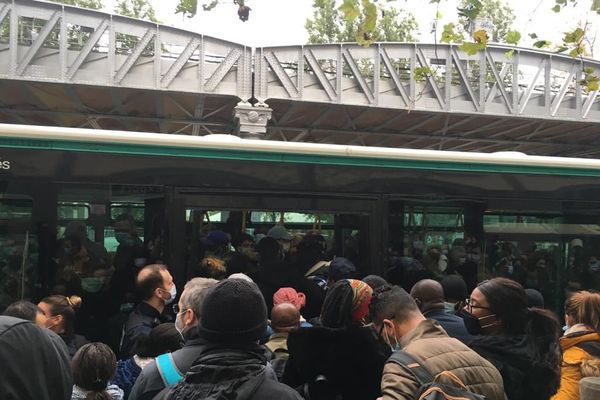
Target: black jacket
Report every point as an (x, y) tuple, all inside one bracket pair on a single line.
[(524, 377), (140, 322), (351, 360), (229, 373), (149, 383), (452, 324), (35, 364)]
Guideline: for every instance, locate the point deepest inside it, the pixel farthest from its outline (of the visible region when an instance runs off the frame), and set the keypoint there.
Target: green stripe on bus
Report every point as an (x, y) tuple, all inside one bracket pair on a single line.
[(280, 157)]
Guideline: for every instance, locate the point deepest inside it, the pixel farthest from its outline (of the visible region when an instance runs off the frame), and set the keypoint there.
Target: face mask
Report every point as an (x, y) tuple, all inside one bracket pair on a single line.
[(139, 262), (510, 269), (395, 347), (449, 307), (473, 324), (594, 267), (172, 294), (443, 263), (179, 325), (124, 238), (92, 284)]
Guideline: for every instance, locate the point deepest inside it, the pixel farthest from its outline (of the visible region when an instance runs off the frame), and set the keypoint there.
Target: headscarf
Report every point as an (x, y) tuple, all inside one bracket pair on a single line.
[(361, 298)]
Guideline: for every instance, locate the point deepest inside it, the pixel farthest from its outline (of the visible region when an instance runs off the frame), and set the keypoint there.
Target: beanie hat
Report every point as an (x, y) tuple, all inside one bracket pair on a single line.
[(289, 295), (233, 311), (341, 268)]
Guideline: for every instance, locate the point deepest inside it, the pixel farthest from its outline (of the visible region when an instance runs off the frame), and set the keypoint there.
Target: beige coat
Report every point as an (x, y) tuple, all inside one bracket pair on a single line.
[(438, 352)]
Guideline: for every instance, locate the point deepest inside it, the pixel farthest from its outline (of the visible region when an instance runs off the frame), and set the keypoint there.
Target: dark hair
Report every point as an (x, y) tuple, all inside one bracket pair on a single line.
[(65, 306), (163, 338), (455, 288), (238, 240), (75, 243), (146, 286), (93, 366), (391, 302), (337, 307), (22, 309), (507, 299), (269, 250), (128, 218), (375, 281)]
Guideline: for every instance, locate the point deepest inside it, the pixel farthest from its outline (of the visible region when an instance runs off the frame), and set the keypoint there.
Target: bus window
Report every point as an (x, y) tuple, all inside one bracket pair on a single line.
[(78, 211), (18, 251)]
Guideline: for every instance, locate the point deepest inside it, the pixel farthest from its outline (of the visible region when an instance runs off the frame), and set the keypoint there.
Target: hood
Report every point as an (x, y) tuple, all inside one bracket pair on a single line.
[(574, 338)]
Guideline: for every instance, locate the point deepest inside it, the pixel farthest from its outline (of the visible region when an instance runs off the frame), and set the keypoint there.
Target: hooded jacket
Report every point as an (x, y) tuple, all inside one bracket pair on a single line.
[(581, 359), (523, 376), (35, 362), (229, 373), (351, 359), (438, 352)]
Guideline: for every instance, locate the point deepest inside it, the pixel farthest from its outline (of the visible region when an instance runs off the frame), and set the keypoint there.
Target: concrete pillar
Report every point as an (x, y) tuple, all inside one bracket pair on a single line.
[(252, 120), (589, 389)]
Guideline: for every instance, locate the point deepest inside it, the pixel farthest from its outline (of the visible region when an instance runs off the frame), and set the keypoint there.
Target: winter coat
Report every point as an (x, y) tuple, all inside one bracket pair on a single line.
[(149, 383), (113, 391), (229, 373), (438, 352), (523, 376), (74, 342), (351, 359), (452, 324), (581, 359), (140, 323), (35, 364), (128, 372)]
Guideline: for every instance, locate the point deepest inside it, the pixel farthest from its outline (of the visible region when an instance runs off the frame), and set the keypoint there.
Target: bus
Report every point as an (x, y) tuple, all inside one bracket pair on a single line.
[(509, 214)]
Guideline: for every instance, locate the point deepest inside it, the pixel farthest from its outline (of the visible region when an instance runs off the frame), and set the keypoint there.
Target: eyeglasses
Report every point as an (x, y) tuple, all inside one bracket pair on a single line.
[(178, 310), (470, 306)]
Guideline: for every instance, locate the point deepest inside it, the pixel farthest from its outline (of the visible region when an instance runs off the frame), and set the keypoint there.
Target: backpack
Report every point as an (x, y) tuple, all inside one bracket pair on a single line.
[(430, 388)]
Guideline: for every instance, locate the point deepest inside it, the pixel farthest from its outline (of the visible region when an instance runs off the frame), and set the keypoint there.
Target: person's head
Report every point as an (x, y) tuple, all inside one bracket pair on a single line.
[(289, 295), (233, 313), (26, 310), (269, 251), (60, 312), (394, 313), (340, 268), (534, 298), (346, 304), (125, 232), (72, 246), (455, 288), (163, 338), (583, 308), (155, 286), (244, 244), (428, 294), (285, 317), (76, 228), (190, 301), (282, 236), (216, 242), (212, 267), (93, 366), (375, 281)]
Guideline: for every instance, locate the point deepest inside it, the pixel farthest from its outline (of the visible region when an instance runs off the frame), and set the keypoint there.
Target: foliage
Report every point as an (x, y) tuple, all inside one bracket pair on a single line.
[(329, 24), (141, 9), (497, 12), (189, 8)]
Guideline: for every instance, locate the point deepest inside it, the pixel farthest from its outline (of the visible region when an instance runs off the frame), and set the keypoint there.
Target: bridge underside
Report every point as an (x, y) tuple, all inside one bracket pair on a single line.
[(53, 104)]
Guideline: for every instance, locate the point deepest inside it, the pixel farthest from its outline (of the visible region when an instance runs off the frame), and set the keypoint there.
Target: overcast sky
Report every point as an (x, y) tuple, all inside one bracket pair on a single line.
[(281, 22)]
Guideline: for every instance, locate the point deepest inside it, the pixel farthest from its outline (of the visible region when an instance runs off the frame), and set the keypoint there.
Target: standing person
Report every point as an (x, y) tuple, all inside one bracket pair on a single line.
[(455, 293), (400, 323), (156, 289), (60, 313), (344, 356), (429, 296), (233, 317), (152, 378), (162, 339), (93, 367), (580, 344), (35, 362), (521, 342)]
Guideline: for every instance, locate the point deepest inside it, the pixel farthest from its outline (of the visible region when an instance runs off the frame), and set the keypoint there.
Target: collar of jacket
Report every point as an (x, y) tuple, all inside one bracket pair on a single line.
[(574, 338), (147, 310), (426, 329)]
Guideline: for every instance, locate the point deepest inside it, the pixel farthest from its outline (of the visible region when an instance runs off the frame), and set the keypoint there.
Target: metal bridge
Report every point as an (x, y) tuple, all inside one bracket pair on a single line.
[(62, 65)]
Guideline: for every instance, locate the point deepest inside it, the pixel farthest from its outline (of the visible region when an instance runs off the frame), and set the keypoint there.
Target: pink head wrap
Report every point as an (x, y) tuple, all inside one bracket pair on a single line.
[(289, 295)]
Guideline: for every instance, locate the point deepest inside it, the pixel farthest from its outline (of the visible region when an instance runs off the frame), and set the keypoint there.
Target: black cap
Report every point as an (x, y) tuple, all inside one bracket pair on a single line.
[(341, 268)]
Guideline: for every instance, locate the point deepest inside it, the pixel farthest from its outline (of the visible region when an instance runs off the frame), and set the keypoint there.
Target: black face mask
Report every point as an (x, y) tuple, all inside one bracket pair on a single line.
[(472, 323)]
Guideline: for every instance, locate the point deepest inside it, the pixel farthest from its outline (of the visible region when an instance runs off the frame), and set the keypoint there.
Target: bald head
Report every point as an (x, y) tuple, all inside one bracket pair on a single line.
[(428, 294), (285, 317)]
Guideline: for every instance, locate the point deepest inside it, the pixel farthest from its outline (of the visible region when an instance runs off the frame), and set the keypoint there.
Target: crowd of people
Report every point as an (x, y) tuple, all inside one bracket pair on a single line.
[(272, 318)]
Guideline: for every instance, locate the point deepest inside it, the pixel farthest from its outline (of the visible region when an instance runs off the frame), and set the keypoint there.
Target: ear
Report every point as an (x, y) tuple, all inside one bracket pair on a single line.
[(190, 318), (60, 319)]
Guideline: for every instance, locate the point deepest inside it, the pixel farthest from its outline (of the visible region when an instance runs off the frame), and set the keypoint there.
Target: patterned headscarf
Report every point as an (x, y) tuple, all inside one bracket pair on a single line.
[(361, 298)]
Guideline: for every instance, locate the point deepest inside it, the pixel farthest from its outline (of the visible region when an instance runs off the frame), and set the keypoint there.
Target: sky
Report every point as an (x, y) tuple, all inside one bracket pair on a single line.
[(281, 22)]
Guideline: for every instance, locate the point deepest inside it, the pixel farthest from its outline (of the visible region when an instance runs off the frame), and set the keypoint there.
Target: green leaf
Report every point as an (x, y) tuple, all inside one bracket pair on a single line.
[(421, 73), (449, 35), (481, 36), (533, 35), (471, 48), (540, 44), (370, 12), (588, 70), (513, 37), (593, 85), (596, 6), (187, 7), (509, 53), (560, 49), (556, 8), (574, 37), (350, 9)]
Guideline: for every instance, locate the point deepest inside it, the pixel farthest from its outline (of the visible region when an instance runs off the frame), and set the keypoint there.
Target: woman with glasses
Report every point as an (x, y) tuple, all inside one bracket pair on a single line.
[(521, 342)]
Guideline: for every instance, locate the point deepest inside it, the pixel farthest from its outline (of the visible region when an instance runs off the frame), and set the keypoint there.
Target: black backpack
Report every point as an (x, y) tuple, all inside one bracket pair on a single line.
[(429, 386)]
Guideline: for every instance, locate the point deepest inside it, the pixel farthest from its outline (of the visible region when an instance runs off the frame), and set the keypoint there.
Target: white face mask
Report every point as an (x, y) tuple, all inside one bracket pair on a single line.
[(179, 324), (172, 295)]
